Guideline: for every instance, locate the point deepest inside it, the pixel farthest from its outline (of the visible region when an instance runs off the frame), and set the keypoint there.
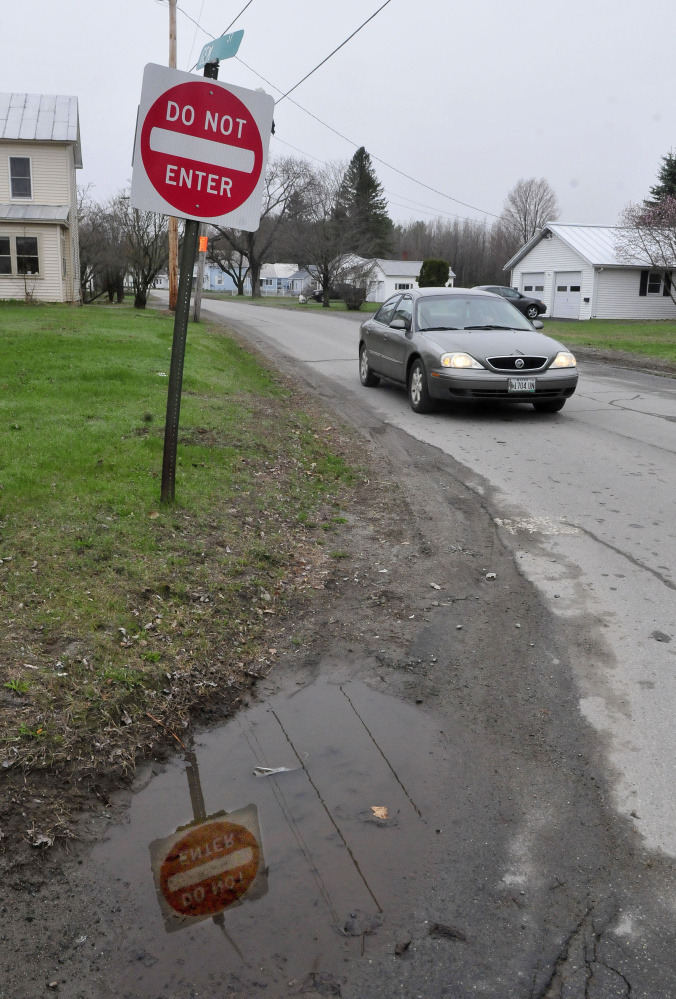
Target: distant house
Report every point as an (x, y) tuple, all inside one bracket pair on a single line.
[(389, 276), (576, 272), (39, 154), (276, 278)]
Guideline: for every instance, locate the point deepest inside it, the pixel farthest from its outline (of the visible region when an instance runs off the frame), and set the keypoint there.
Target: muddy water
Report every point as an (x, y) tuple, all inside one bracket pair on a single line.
[(328, 856)]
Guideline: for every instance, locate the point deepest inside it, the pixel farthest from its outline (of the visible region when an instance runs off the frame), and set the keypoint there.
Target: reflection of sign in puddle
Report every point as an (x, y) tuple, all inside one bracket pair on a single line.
[(207, 867)]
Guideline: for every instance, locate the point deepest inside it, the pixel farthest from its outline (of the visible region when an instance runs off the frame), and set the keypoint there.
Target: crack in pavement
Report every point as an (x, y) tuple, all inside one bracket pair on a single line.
[(631, 558)]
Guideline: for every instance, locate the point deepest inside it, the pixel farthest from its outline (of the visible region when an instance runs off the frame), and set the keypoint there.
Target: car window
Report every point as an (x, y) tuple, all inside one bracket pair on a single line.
[(386, 311), (404, 311), (510, 293), (467, 312)]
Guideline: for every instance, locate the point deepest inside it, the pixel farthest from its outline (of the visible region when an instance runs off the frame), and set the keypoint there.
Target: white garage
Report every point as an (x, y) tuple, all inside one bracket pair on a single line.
[(575, 271)]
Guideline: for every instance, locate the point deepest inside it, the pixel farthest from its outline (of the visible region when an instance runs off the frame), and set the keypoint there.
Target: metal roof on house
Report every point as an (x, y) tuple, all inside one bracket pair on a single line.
[(278, 270), (41, 118), (597, 244), (34, 213), (402, 268)]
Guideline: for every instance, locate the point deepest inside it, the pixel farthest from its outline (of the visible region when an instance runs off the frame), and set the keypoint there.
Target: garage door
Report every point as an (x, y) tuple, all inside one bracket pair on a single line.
[(533, 285), (567, 295)]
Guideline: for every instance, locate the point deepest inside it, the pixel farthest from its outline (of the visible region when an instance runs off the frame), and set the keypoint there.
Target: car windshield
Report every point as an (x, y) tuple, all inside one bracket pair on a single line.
[(468, 312)]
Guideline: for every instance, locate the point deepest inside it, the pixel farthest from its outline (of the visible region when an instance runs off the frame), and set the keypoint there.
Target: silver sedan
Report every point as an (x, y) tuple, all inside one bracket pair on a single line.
[(461, 344)]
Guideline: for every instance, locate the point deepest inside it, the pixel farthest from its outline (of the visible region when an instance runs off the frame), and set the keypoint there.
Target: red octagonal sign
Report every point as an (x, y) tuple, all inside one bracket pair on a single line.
[(201, 148)]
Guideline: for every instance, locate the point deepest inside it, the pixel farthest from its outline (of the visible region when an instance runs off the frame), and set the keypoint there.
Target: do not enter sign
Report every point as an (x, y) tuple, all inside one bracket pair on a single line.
[(206, 868), (201, 149)]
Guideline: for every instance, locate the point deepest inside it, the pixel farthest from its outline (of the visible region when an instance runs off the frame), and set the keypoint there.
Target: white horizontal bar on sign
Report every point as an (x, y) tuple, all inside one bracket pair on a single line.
[(191, 147), (212, 869)]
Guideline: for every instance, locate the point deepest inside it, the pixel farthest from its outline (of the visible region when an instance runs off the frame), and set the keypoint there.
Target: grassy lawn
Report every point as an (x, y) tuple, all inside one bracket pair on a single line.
[(289, 302), (114, 608), (647, 339)]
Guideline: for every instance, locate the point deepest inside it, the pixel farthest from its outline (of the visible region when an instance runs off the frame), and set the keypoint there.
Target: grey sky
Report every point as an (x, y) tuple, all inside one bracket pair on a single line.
[(465, 97)]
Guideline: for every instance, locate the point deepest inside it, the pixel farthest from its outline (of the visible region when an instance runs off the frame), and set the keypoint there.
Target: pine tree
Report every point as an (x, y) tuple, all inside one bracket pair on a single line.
[(361, 203), (667, 181), (434, 273)]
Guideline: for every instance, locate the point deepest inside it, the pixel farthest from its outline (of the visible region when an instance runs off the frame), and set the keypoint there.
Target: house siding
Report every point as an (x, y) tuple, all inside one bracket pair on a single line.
[(49, 167), (617, 297), (47, 286), (553, 256), (72, 290)]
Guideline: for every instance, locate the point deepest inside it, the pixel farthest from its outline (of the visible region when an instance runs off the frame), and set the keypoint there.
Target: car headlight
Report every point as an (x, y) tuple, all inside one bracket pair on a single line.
[(564, 359), (459, 361)]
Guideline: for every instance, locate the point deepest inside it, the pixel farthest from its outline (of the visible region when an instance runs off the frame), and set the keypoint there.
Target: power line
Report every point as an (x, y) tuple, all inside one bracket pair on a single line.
[(186, 14), (238, 17), (402, 173), (434, 190), (337, 49), (194, 37), (435, 212)]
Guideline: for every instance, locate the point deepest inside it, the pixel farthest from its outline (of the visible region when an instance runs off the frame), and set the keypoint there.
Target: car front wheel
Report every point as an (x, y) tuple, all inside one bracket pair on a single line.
[(418, 393), (549, 406), (366, 376), (532, 311)]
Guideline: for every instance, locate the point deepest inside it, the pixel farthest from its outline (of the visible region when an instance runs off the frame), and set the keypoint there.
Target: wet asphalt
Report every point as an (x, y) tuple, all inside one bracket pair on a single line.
[(500, 867)]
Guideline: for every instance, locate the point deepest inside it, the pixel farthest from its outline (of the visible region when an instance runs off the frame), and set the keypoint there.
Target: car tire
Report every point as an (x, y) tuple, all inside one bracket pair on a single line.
[(418, 392), (549, 406), (532, 311), (366, 376)]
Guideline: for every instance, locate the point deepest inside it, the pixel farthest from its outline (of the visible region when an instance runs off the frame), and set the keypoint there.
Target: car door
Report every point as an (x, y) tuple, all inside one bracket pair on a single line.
[(377, 332), (516, 298), (396, 341)]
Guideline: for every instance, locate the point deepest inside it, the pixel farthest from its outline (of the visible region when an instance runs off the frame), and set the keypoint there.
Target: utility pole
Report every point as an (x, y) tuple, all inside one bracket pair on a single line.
[(173, 222), (201, 259)]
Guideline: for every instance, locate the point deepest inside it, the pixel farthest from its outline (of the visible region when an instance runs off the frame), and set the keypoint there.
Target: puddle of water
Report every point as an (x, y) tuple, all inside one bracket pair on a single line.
[(327, 853)]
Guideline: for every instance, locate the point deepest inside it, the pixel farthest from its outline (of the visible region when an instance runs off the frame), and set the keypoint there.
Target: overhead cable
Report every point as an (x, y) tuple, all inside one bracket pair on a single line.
[(434, 190), (337, 49), (391, 194)]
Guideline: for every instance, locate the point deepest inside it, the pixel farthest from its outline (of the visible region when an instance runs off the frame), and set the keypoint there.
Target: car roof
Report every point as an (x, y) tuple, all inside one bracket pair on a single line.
[(427, 292)]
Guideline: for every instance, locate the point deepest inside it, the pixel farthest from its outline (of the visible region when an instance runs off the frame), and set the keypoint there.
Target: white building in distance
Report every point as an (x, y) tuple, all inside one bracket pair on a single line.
[(575, 270)]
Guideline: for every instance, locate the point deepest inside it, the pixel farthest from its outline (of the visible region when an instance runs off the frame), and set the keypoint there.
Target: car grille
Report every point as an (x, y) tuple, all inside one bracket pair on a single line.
[(552, 393), (509, 363)]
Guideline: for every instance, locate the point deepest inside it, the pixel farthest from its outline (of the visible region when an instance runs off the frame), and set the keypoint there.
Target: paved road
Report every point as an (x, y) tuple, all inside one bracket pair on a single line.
[(586, 500)]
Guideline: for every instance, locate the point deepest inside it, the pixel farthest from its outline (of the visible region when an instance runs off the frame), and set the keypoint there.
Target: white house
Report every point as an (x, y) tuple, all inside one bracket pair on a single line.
[(39, 154), (576, 272), (395, 275)]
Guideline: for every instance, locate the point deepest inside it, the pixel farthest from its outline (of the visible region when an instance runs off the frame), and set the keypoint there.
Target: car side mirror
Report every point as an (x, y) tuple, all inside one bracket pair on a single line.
[(400, 324), (537, 324)]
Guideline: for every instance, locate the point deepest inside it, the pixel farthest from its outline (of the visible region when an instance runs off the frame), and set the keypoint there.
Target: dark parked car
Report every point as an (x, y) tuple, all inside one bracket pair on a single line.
[(463, 344), (531, 307)]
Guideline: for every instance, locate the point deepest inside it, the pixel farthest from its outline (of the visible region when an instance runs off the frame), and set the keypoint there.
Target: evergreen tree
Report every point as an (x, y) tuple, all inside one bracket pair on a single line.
[(667, 181), (361, 203), (434, 273)]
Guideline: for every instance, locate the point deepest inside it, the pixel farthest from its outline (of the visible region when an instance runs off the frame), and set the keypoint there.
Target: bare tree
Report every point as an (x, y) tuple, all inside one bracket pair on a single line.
[(528, 207), (144, 238), (231, 261), (284, 179), (647, 235), (323, 240)]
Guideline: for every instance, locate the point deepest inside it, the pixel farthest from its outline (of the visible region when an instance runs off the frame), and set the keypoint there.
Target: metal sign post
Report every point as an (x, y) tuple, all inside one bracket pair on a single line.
[(200, 153)]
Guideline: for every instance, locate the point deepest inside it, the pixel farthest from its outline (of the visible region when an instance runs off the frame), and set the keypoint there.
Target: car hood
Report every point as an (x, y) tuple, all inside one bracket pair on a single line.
[(493, 343)]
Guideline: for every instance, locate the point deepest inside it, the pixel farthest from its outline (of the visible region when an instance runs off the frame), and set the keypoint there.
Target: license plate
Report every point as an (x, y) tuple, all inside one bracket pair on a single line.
[(521, 385)]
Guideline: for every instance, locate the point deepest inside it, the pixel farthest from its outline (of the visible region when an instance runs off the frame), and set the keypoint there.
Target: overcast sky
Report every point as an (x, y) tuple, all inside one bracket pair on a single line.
[(467, 98)]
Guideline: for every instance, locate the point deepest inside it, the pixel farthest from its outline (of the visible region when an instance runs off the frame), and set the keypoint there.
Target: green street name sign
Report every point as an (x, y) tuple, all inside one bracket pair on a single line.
[(224, 47)]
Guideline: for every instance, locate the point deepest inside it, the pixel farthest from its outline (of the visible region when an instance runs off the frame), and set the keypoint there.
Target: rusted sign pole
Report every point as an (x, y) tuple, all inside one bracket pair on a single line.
[(190, 238), (177, 358)]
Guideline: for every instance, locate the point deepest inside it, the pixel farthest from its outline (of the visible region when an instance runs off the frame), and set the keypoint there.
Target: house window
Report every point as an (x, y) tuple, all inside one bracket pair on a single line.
[(5, 255), (403, 287), (27, 260), (20, 181), (654, 284)]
